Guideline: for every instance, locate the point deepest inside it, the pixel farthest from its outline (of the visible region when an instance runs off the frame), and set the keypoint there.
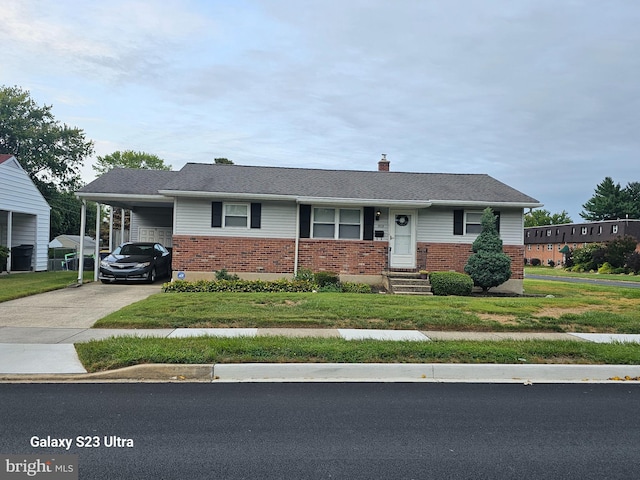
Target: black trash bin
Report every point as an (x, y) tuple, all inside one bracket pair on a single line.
[(21, 258)]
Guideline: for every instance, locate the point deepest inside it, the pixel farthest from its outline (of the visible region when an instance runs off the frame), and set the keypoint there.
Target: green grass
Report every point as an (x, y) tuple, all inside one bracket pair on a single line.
[(572, 308), (558, 272), (125, 351), (18, 285)]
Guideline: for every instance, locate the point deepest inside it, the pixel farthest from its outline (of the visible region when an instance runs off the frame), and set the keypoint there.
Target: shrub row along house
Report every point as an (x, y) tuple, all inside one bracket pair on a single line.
[(549, 244), (267, 222)]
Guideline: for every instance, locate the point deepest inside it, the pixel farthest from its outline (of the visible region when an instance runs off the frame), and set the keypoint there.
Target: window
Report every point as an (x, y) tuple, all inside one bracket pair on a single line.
[(529, 247), (600, 230), (584, 230), (236, 215), (341, 223), (550, 247), (473, 222), (614, 228), (548, 232)]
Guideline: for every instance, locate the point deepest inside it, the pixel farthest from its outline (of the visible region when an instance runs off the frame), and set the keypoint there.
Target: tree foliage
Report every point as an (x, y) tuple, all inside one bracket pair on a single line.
[(543, 217), (610, 201), (222, 161), (129, 159), (51, 153), (616, 253), (489, 266)]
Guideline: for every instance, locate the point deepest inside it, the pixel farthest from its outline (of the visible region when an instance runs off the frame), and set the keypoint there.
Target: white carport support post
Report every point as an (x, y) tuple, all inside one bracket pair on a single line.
[(121, 226), (96, 256), (83, 224), (9, 236), (111, 229)]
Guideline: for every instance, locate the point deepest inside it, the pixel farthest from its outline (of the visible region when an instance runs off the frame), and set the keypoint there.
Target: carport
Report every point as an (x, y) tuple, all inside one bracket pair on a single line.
[(133, 191)]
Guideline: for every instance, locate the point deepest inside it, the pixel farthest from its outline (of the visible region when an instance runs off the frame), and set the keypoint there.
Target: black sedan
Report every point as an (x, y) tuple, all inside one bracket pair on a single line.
[(143, 261)]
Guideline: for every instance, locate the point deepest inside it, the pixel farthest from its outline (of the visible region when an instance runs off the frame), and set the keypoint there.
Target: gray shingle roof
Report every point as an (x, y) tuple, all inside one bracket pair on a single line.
[(303, 182), (128, 181)]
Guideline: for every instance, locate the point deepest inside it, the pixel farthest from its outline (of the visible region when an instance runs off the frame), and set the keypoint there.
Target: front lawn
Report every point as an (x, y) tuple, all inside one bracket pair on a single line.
[(556, 306), (18, 285), (559, 272)]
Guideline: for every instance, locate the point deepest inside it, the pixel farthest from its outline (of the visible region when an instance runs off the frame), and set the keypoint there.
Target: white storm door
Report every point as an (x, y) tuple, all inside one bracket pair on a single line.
[(402, 236)]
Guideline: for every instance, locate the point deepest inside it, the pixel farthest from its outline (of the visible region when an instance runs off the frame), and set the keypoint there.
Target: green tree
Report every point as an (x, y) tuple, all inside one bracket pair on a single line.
[(489, 266), (539, 218), (609, 202), (222, 161), (129, 159), (632, 193), (51, 153)]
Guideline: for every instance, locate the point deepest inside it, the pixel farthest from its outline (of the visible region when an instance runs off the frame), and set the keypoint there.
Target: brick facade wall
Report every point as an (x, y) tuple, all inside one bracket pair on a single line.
[(346, 257), (236, 254), (274, 255), (449, 256)]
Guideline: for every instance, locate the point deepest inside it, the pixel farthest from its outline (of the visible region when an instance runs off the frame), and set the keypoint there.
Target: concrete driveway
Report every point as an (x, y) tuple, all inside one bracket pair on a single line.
[(73, 307)]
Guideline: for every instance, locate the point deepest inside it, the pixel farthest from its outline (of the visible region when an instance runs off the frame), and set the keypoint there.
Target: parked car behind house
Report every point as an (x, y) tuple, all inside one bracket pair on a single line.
[(142, 261)]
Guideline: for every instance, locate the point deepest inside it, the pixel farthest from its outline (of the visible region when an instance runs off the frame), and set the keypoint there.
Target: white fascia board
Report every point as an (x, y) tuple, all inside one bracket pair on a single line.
[(363, 201), (106, 197), (463, 203)]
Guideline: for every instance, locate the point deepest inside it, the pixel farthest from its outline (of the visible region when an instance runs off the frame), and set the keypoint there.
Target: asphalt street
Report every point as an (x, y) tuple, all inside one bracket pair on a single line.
[(332, 431)]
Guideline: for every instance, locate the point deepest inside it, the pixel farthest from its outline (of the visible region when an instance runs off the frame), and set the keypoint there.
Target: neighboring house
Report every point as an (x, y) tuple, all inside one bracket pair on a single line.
[(547, 243), (24, 217), (267, 222), (73, 242)]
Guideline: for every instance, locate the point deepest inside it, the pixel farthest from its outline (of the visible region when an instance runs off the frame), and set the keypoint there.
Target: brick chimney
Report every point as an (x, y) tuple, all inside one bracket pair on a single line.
[(383, 164)]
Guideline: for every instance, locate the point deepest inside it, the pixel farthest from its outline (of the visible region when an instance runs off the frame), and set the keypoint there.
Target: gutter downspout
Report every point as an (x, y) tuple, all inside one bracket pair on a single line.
[(297, 246)]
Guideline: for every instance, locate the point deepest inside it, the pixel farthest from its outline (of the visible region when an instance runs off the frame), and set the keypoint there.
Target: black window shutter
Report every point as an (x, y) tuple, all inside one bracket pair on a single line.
[(216, 214), (305, 221), (256, 214), (458, 222), (497, 214), (369, 215)]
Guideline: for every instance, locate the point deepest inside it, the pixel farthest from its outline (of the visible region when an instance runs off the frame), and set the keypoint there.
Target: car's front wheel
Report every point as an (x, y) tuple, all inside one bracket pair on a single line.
[(152, 275)]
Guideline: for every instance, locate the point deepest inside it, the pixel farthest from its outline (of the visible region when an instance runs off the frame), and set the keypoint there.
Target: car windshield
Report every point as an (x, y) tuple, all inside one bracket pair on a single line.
[(136, 250)]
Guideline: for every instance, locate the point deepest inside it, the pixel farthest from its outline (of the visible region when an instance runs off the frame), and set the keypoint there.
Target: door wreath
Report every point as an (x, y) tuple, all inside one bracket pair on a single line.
[(402, 220)]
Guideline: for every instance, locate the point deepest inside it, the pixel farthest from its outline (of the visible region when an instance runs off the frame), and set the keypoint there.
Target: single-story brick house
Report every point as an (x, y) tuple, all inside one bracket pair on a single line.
[(267, 222)]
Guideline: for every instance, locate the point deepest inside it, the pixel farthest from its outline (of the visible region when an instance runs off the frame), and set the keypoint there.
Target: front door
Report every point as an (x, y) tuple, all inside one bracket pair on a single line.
[(402, 236)]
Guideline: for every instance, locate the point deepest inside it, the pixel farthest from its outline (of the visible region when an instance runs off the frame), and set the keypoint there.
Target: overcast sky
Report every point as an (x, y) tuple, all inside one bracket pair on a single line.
[(542, 95)]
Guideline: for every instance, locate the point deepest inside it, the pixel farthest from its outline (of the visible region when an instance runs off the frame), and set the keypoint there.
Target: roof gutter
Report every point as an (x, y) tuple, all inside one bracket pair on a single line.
[(484, 203)]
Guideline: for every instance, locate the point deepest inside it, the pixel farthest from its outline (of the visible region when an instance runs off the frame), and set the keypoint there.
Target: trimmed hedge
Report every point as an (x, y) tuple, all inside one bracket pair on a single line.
[(450, 283), (283, 285), (240, 286)]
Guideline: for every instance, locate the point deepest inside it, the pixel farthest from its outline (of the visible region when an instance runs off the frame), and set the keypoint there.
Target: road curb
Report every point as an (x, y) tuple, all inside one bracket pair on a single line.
[(340, 372)]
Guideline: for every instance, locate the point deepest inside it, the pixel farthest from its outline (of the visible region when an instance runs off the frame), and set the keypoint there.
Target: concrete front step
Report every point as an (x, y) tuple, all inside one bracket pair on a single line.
[(409, 284)]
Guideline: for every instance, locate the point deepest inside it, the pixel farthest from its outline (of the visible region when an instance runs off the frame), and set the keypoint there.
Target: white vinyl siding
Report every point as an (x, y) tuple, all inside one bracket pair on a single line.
[(30, 213), (435, 224), (193, 217), (152, 224)]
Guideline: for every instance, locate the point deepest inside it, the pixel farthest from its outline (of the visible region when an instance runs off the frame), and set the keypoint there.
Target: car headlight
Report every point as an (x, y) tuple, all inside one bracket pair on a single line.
[(143, 264), (104, 263)]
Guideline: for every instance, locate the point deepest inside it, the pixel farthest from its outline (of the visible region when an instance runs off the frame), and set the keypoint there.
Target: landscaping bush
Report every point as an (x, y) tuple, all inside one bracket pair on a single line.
[(632, 262), (348, 287), (240, 286), (305, 274), (224, 275), (606, 268), (535, 262), (450, 283), (489, 266), (324, 279)]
